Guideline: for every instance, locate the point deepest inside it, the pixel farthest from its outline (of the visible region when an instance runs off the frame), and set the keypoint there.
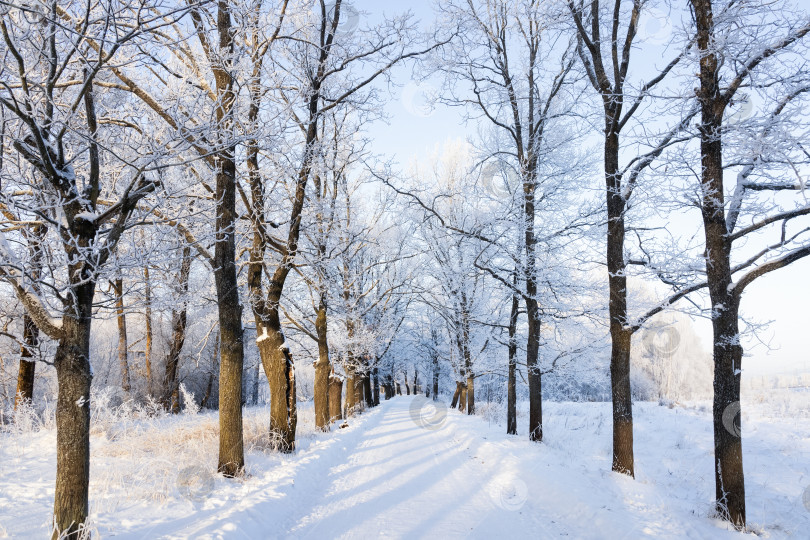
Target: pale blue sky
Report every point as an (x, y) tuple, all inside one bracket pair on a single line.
[(415, 131)]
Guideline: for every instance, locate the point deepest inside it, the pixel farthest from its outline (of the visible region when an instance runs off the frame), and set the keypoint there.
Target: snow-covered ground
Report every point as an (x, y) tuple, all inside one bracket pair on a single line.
[(410, 469)]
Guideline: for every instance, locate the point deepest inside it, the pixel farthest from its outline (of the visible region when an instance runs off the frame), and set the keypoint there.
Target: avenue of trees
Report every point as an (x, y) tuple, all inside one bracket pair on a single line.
[(190, 196)]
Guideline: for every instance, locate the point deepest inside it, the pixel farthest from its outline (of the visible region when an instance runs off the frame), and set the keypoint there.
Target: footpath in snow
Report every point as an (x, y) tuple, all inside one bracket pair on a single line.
[(412, 469)]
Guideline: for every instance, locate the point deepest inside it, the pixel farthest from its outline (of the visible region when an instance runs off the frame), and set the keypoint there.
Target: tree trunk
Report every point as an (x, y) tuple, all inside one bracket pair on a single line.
[(74, 375), (620, 335), (359, 398), (726, 412), (470, 392), (369, 397), (462, 398), (147, 353), (231, 460), (456, 395), (118, 290), (532, 352), (435, 377), (207, 397), (354, 387), (231, 445), (25, 377), (407, 386), (323, 369), (376, 384), (728, 457), (256, 377), (26, 374), (335, 398), (171, 390), (511, 390), (280, 372)]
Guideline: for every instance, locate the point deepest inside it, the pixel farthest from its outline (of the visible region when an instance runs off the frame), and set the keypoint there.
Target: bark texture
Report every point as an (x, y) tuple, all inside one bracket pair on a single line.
[(728, 462), (171, 383), (375, 381), (123, 348), (511, 388), (231, 444), (435, 362), (335, 398), (147, 353), (25, 376), (323, 369)]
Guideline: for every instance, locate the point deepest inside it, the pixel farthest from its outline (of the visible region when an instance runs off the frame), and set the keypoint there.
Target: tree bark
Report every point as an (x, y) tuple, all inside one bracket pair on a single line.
[(376, 385), (532, 352), (323, 369), (214, 372), (369, 397), (147, 353), (231, 460), (74, 375), (456, 395), (280, 372), (26, 374), (435, 376), (359, 398), (511, 390), (335, 398), (25, 377), (728, 457), (462, 398), (623, 460), (123, 349), (353, 397), (470, 392), (171, 389)]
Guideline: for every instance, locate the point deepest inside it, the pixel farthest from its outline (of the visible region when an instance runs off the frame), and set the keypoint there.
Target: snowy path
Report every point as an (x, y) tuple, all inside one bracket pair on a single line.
[(396, 473), (389, 475)]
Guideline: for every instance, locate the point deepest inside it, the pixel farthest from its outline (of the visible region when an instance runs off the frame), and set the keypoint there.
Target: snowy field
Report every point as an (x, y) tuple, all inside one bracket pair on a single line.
[(407, 470)]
